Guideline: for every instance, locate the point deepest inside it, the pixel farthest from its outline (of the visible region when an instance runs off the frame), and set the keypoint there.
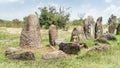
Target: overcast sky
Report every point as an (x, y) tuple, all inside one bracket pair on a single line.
[(11, 9)]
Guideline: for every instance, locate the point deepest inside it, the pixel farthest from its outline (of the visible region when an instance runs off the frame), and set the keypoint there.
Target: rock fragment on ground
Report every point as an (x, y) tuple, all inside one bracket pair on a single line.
[(54, 55), (98, 48)]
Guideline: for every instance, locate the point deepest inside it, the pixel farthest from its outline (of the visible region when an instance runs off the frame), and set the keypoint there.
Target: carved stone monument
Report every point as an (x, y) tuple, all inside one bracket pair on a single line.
[(98, 28), (112, 24), (30, 35), (89, 27), (118, 29), (74, 35), (53, 34)]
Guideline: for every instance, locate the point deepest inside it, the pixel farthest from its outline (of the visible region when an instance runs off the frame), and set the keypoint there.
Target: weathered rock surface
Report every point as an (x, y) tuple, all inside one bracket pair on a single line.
[(22, 56), (102, 40), (118, 30), (54, 55), (98, 48), (112, 24), (11, 50), (81, 33), (58, 41), (53, 34), (74, 36), (82, 45), (98, 28), (89, 28), (30, 35), (69, 48), (108, 36)]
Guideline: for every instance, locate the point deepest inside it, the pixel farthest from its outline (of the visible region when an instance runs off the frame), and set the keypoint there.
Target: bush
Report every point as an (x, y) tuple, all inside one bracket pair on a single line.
[(77, 22), (49, 15)]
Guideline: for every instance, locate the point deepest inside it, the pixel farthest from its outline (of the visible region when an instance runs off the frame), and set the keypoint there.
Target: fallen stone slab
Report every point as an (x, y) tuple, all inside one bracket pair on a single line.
[(54, 55), (98, 49), (22, 56), (102, 40), (69, 48), (108, 36), (58, 41), (83, 45), (11, 50)]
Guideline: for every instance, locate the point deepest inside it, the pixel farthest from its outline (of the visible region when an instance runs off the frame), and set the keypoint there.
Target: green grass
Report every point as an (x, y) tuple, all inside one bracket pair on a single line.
[(110, 59)]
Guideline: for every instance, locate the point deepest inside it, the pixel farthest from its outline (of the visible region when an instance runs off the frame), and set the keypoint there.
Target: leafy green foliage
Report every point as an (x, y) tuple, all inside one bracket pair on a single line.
[(14, 23), (118, 21), (50, 15), (77, 22)]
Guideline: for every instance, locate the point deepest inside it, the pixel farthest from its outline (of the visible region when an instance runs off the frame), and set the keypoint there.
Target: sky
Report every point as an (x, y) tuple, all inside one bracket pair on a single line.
[(12, 9)]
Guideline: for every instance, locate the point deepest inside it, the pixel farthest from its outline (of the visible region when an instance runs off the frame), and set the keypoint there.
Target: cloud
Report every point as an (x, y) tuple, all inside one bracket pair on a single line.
[(22, 13), (112, 9), (95, 12), (108, 1), (15, 14), (11, 1), (41, 4), (88, 9)]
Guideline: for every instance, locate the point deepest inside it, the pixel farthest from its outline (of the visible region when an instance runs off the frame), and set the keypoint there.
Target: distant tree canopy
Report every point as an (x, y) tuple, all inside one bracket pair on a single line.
[(77, 22), (110, 18), (50, 15), (14, 23), (118, 20), (1, 21)]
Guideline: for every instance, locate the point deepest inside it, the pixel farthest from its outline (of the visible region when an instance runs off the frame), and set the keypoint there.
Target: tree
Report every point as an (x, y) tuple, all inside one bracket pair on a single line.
[(118, 20), (16, 21), (79, 21), (50, 15), (81, 16), (1, 21)]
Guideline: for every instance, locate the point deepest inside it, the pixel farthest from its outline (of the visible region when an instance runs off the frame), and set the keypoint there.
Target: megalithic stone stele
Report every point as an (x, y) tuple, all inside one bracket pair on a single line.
[(81, 33), (75, 35), (98, 28), (89, 28), (112, 24), (30, 35), (53, 34), (118, 29)]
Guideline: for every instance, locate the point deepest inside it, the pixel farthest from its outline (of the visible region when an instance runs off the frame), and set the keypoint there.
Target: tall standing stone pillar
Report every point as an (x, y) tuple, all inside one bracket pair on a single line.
[(112, 24), (53, 34), (98, 28), (89, 28), (30, 35)]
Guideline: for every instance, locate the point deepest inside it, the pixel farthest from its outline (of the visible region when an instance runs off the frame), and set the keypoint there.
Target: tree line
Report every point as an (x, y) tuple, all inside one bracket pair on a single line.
[(47, 16)]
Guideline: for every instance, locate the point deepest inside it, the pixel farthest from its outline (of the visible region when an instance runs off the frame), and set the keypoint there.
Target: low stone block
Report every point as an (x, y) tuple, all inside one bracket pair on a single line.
[(69, 48), (54, 55)]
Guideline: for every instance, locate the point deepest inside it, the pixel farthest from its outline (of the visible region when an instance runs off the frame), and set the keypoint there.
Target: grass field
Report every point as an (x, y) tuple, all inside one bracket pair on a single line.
[(110, 59)]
